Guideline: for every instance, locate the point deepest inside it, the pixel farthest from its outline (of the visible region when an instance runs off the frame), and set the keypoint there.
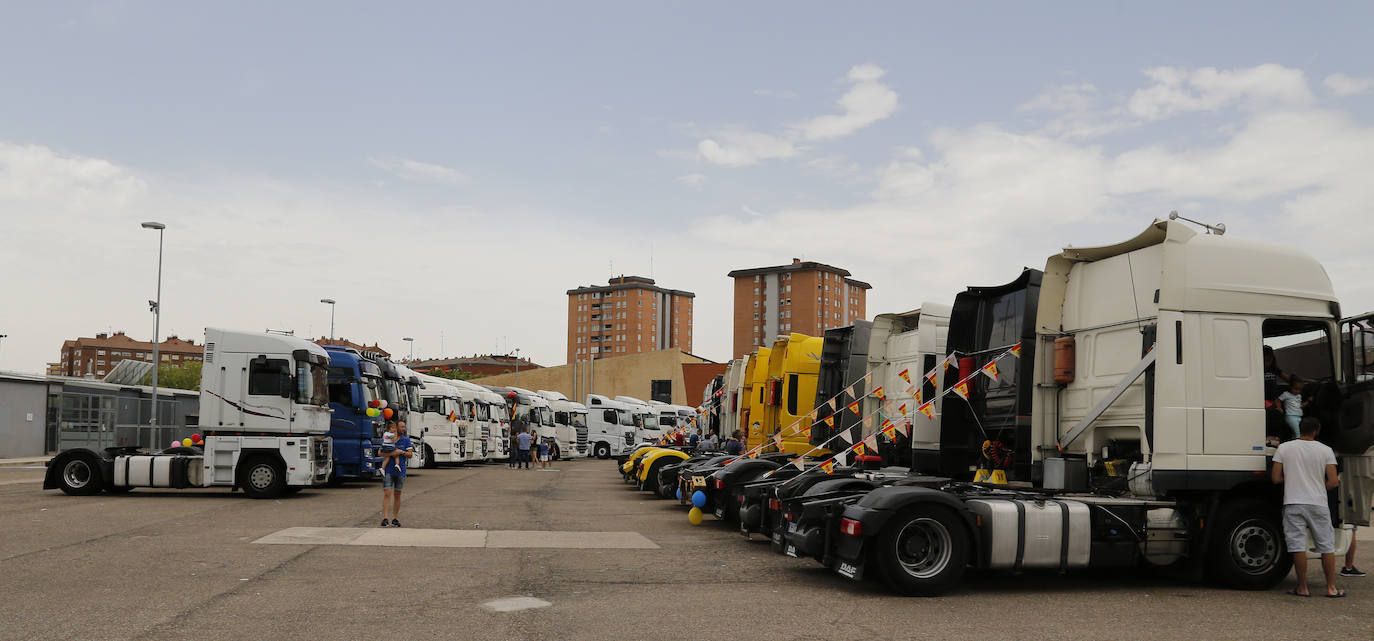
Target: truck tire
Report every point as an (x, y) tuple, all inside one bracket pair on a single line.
[(262, 478), (1246, 550), (921, 551), (80, 476), (602, 451), (429, 462)]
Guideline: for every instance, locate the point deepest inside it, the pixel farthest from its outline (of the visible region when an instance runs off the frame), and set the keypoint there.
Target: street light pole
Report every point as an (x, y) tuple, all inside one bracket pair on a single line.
[(3, 337), (156, 308), (412, 347), (330, 302), (517, 367)]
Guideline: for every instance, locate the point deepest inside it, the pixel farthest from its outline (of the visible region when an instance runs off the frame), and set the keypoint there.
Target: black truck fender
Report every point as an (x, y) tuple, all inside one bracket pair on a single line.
[(876, 507), (747, 468), (104, 460)]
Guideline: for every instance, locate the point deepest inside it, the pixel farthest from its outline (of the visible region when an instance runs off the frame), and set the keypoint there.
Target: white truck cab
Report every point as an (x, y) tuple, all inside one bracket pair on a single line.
[(441, 421), (610, 426), (264, 413), (647, 427), (570, 423)]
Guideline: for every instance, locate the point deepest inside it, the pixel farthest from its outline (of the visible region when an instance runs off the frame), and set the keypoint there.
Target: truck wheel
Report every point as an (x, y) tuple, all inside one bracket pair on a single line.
[(429, 462), (1247, 551), (262, 478), (922, 551), (602, 451), (80, 476)]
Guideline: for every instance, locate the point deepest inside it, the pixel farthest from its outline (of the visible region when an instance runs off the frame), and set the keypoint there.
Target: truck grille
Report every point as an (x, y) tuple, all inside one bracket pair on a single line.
[(581, 440), (629, 438), (320, 449)]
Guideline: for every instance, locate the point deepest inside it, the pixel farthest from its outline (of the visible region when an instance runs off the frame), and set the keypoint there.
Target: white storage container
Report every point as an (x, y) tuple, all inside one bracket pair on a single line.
[(1023, 533)]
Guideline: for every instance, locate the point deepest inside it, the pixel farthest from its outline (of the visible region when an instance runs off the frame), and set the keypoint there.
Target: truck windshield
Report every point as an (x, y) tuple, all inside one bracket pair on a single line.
[(628, 418), (522, 413), (579, 419), (413, 396), (667, 421), (391, 393), (372, 390), (312, 384)]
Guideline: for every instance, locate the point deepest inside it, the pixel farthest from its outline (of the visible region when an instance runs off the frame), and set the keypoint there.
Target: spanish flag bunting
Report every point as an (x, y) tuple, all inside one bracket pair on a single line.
[(811, 416), (868, 378), (847, 436), (911, 390), (830, 421), (872, 442), (902, 408), (859, 449), (962, 390), (777, 440), (905, 374), (868, 421), (799, 463), (916, 396), (753, 453), (805, 433), (990, 369), (890, 432), (930, 376), (854, 407), (1016, 350), (927, 408), (828, 467), (903, 428), (886, 423), (850, 391), (878, 391), (832, 404)]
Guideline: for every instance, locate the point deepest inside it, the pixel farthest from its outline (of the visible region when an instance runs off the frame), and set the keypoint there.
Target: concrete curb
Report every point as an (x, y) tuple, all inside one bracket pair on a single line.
[(24, 461)]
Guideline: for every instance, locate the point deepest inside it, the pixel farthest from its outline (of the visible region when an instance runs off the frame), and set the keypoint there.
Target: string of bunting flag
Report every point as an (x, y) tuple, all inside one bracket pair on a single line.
[(890, 430)]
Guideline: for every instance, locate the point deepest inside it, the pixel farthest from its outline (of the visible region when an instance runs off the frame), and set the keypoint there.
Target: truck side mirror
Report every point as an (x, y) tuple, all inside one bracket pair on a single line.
[(286, 383)]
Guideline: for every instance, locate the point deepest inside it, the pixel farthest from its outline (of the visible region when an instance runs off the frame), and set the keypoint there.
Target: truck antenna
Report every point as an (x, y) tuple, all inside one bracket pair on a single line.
[(1218, 229)]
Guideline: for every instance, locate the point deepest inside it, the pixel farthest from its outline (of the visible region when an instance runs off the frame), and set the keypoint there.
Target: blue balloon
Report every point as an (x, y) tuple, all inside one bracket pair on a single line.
[(679, 494), (698, 499)]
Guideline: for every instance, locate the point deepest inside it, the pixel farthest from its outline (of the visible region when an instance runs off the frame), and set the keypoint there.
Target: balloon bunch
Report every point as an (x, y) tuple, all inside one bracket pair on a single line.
[(194, 439), (379, 408)]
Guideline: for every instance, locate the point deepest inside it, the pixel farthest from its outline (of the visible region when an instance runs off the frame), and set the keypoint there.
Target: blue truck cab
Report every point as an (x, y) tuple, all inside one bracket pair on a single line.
[(354, 382)]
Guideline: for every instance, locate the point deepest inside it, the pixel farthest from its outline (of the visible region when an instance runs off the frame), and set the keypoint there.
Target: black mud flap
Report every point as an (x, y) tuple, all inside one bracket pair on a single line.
[(850, 570)]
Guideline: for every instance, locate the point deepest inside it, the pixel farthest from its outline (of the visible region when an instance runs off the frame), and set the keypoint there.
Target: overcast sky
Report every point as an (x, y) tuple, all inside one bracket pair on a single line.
[(446, 171)]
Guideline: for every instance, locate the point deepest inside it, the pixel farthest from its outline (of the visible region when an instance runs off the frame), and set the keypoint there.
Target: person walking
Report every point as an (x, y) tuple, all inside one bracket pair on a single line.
[(394, 476), (1348, 568), (1307, 469), (522, 447)]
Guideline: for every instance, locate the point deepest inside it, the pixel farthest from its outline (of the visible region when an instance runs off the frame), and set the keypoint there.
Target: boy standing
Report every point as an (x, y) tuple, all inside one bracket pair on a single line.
[(1292, 403), (1307, 469)]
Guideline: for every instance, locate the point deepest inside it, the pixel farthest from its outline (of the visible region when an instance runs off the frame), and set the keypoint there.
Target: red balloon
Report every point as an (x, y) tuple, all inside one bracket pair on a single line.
[(387, 413), (373, 403), (195, 437)]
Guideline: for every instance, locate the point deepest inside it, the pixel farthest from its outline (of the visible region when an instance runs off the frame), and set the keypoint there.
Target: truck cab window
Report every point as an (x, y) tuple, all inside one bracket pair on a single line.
[(340, 387), (1295, 348), (264, 376), (609, 416), (560, 418)]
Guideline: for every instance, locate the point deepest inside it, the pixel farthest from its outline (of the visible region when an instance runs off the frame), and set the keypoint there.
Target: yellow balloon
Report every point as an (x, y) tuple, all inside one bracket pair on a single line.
[(186, 442), (694, 516)]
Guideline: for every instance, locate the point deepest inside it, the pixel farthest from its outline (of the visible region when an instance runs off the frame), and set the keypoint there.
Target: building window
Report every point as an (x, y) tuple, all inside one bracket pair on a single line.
[(756, 278), (100, 352), (756, 304)]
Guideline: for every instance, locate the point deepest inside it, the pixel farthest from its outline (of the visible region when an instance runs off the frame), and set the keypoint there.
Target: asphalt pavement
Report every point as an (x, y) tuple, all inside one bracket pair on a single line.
[(209, 564)]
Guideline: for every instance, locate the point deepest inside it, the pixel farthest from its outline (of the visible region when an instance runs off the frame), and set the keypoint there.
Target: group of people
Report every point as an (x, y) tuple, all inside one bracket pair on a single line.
[(709, 442), (525, 444)]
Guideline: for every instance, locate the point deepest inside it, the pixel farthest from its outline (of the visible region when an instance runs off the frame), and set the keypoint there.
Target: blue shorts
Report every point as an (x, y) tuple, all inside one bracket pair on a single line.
[(393, 482)]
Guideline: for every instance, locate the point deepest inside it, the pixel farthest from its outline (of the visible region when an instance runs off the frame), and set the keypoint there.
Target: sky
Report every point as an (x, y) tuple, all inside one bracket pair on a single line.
[(447, 171)]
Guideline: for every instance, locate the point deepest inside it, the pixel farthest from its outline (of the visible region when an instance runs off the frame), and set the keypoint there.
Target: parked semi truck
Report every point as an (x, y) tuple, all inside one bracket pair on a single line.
[(1131, 430), (354, 385), (570, 419), (610, 427), (442, 420), (487, 410), (264, 414)]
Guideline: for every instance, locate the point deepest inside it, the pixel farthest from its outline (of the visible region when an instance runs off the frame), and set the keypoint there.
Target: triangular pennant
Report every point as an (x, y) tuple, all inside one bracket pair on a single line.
[(931, 375), (903, 428), (859, 449), (878, 391), (912, 391), (962, 390), (905, 374), (868, 378), (777, 440), (917, 397), (890, 432), (799, 463), (1015, 350), (830, 421), (990, 370), (902, 408), (847, 436), (831, 402), (868, 422), (927, 408), (872, 442), (828, 466), (854, 407), (850, 391)]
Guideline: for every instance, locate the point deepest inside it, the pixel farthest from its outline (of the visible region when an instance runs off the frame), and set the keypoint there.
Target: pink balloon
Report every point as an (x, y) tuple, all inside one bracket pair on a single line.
[(176, 444)]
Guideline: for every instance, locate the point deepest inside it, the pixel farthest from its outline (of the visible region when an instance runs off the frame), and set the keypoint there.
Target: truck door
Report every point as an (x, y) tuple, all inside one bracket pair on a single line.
[(1232, 380), (1353, 430)]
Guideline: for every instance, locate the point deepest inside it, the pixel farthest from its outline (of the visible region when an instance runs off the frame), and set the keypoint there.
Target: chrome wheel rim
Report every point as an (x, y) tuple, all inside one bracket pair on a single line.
[(261, 476), (924, 547), (76, 474), (1254, 547)]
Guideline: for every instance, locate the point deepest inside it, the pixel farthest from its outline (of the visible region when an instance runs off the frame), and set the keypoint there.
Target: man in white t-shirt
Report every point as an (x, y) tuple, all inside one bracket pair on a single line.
[(1307, 469)]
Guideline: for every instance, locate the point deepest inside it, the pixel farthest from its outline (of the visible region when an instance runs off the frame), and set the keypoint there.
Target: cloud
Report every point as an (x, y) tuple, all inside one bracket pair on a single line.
[(744, 148), (866, 102), (1342, 85), (1177, 90), (695, 181), (970, 205), (420, 172)]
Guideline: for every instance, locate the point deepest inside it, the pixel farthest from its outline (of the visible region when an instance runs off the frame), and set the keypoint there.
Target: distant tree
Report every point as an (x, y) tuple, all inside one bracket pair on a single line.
[(184, 376), (456, 373)]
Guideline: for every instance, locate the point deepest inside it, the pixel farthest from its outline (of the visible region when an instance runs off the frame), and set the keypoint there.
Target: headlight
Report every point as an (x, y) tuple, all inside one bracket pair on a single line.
[(368, 453)]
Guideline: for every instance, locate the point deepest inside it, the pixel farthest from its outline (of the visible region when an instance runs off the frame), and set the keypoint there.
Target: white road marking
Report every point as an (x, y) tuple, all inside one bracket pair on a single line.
[(515, 604), (421, 537)]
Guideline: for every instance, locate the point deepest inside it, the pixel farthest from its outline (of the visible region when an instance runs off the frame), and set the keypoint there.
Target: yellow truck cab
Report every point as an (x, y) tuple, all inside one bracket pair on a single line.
[(793, 372), (752, 395)]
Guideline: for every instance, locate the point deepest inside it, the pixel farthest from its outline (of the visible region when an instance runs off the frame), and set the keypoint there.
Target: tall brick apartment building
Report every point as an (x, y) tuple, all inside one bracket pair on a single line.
[(97, 356), (629, 315), (804, 297)]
